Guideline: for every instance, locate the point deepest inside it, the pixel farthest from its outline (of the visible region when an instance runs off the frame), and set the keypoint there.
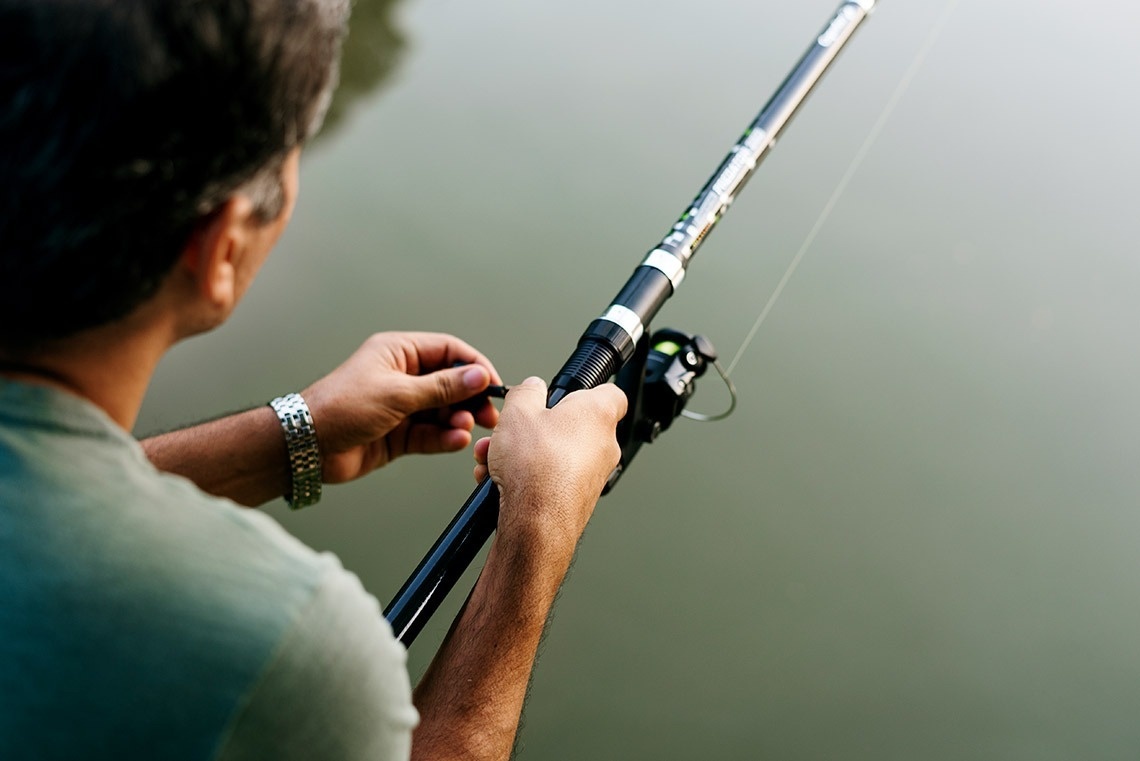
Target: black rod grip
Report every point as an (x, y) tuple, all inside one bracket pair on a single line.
[(444, 563)]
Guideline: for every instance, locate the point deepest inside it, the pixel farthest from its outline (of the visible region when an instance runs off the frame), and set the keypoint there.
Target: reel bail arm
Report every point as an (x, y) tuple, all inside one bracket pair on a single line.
[(658, 381)]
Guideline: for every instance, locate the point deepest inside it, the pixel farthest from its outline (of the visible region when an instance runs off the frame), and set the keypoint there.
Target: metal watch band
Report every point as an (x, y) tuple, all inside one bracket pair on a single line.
[(304, 456)]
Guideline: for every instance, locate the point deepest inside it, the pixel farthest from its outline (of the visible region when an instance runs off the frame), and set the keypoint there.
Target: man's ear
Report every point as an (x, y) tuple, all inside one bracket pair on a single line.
[(213, 254)]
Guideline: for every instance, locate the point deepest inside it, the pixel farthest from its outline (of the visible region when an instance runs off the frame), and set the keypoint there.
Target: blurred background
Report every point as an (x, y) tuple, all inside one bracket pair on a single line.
[(917, 536)]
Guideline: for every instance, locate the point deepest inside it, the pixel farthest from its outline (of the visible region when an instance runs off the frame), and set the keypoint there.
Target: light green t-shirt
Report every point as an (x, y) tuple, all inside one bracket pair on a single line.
[(142, 618)]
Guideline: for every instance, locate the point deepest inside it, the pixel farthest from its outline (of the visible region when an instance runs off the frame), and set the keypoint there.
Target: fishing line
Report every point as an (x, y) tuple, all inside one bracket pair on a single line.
[(868, 143)]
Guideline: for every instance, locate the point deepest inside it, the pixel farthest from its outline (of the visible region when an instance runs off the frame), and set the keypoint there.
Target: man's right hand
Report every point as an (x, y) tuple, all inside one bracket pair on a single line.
[(551, 464)]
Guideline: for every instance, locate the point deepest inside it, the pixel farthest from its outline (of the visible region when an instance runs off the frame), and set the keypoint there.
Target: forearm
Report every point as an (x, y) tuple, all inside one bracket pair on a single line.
[(472, 695), (241, 456)]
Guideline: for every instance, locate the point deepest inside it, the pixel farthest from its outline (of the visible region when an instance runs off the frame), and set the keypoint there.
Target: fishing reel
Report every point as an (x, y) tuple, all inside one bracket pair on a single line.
[(658, 381)]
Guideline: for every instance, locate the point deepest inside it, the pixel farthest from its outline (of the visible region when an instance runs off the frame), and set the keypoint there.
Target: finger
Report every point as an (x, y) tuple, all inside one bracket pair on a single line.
[(487, 416), (480, 450), (529, 395), (461, 419), (614, 399), (610, 400), (444, 387), (438, 350), (431, 439), (480, 472)]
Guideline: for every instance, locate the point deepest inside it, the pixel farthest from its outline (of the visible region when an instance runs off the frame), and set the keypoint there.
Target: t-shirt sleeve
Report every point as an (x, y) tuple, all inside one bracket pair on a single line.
[(336, 688)]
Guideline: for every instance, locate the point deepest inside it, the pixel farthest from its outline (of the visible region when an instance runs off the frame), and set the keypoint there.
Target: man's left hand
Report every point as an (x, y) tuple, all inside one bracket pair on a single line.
[(393, 396)]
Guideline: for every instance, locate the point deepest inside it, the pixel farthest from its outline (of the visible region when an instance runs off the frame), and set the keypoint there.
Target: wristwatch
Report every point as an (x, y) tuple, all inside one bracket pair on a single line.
[(304, 456)]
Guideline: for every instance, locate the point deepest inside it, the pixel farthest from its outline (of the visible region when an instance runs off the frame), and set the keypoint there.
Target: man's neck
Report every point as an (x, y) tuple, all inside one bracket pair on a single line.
[(109, 367)]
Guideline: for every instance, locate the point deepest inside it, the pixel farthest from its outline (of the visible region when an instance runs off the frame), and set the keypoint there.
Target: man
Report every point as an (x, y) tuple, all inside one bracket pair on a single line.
[(148, 163)]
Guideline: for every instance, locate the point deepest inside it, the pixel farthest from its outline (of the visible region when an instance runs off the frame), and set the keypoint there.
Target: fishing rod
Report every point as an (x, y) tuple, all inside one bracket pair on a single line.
[(657, 371)]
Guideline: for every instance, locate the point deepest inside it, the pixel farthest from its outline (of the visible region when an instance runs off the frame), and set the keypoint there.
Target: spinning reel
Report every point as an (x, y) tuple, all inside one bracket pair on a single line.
[(658, 381)]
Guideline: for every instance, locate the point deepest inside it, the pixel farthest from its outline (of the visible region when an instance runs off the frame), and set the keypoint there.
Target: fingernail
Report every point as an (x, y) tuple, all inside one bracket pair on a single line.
[(533, 381), (476, 377)]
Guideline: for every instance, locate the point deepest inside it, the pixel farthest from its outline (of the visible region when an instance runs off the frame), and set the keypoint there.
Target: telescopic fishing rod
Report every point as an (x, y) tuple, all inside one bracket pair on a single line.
[(656, 371)]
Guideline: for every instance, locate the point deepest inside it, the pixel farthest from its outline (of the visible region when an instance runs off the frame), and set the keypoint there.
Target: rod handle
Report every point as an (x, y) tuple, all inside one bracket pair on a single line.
[(444, 563)]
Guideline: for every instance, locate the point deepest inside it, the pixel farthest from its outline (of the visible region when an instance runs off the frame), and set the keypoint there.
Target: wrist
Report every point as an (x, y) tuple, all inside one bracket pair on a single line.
[(540, 532), (524, 577)]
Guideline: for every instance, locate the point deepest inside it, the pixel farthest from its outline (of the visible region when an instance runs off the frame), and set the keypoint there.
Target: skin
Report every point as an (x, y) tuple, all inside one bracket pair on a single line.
[(390, 398)]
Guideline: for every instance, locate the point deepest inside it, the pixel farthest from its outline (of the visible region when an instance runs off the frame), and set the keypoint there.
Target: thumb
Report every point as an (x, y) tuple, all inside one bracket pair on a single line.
[(530, 393), (450, 386)]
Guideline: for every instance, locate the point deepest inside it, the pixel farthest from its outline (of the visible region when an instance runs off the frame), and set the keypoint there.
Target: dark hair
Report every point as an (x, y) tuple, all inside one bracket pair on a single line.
[(124, 123)]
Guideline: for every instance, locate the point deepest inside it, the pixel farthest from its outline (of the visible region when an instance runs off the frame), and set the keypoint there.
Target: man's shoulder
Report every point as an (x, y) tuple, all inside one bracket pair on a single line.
[(130, 593), (72, 484), (339, 666)]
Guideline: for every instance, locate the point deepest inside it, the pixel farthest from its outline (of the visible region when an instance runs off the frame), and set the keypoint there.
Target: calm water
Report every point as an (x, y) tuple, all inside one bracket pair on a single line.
[(917, 537)]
